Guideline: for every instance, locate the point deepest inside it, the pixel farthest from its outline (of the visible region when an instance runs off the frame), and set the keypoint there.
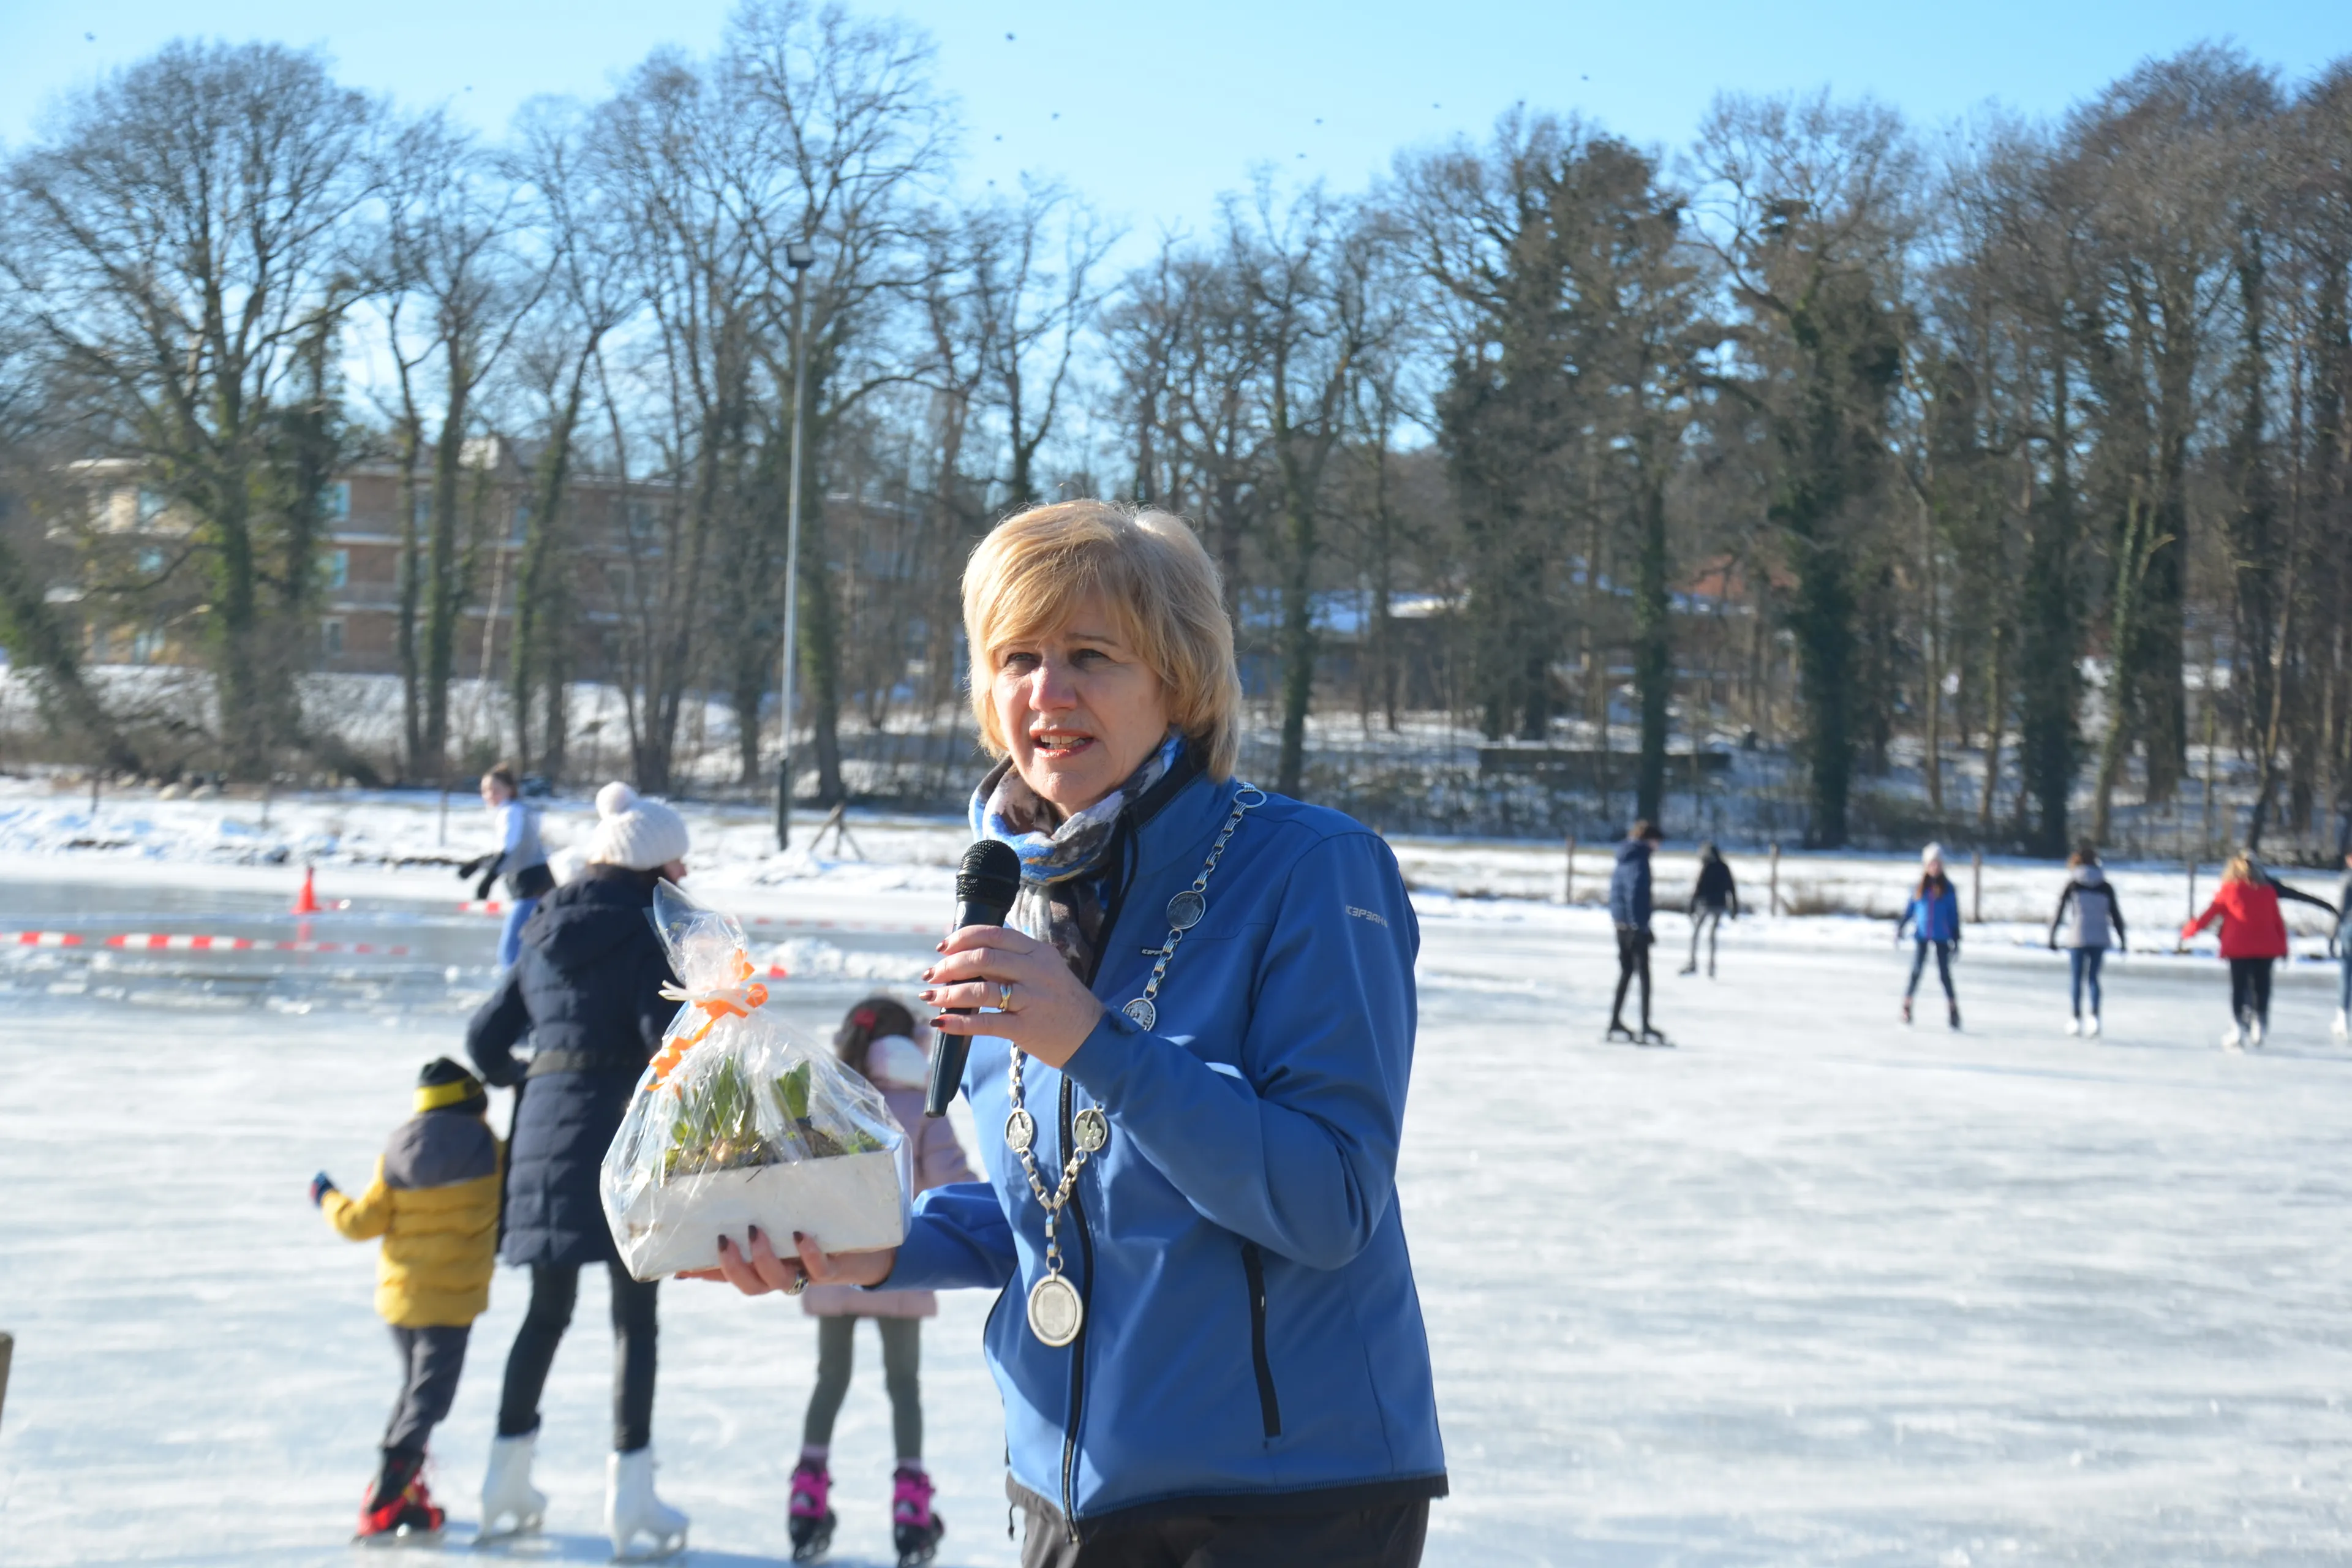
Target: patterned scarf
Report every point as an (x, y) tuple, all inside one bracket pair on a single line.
[(1061, 871)]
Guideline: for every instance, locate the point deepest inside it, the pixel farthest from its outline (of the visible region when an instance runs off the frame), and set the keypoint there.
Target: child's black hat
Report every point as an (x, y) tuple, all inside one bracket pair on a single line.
[(445, 1086)]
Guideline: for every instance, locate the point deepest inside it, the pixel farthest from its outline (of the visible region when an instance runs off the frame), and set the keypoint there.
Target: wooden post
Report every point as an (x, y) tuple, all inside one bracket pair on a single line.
[(442, 837), (93, 797), (2192, 893), (1772, 906), (1976, 887), (1568, 894), (7, 1353)]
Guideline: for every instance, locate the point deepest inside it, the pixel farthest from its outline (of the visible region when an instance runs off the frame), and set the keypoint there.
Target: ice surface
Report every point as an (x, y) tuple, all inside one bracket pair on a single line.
[(1809, 1289)]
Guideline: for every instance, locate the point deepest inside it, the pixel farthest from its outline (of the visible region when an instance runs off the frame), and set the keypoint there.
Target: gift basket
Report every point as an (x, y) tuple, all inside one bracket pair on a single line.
[(739, 1121)]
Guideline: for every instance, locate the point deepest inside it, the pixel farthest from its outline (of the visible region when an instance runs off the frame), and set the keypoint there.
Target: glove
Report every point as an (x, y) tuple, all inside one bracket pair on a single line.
[(320, 1185), (482, 889), (474, 865)]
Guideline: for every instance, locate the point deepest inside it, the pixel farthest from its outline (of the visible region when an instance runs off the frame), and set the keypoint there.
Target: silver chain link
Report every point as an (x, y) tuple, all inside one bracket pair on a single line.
[(1248, 800)]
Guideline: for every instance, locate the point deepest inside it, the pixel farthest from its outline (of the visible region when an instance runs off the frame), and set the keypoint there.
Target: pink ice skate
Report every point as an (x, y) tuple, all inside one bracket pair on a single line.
[(913, 1525), (811, 1522)]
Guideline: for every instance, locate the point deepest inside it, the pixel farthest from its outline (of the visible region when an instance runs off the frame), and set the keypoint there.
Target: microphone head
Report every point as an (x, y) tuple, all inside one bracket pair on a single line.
[(989, 876)]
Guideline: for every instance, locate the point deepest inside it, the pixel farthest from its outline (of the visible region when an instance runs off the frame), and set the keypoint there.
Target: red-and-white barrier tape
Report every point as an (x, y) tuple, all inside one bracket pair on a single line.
[(886, 928), (182, 942)]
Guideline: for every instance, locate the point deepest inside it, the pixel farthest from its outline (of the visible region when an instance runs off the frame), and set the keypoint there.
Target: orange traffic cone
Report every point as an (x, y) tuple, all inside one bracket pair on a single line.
[(307, 902)]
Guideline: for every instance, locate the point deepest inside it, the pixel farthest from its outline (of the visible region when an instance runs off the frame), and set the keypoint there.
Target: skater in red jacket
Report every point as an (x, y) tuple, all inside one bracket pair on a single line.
[(2253, 937)]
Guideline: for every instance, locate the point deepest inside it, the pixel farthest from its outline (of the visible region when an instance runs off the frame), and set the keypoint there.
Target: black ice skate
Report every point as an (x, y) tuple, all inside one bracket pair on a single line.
[(1650, 1036), (1617, 1031), (1955, 1015)]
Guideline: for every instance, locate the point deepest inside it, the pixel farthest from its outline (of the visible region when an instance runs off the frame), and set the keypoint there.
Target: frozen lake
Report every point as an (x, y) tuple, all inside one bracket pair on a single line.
[(1810, 1289)]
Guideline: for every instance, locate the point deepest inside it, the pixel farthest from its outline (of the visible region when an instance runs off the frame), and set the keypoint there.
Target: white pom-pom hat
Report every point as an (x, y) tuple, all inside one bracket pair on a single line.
[(1932, 856), (633, 831)]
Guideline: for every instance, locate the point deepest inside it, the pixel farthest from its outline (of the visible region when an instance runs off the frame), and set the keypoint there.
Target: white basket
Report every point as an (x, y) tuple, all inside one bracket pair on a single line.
[(850, 1202)]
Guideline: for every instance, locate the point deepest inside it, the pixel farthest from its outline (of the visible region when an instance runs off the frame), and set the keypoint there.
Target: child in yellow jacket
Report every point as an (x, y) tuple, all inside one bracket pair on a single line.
[(434, 1201)]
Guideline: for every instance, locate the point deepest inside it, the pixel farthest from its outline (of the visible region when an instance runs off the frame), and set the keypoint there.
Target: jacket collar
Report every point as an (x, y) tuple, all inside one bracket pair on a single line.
[(1179, 814)]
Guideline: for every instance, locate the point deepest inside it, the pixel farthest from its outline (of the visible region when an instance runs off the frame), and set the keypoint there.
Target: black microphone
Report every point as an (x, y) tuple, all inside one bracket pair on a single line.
[(986, 884)]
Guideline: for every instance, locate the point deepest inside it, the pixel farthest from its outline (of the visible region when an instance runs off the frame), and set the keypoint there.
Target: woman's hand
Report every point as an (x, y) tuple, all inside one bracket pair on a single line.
[(756, 1270), (1045, 1011)]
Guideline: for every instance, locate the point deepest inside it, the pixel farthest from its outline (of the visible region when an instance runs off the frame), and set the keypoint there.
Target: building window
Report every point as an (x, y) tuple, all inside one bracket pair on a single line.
[(339, 568), (521, 519), (151, 506), (335, 501), (146, 645), (330, 636)]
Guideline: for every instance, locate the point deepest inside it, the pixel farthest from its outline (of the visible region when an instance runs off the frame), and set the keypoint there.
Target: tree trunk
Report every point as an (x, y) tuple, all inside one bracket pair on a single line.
[(1652, 648)]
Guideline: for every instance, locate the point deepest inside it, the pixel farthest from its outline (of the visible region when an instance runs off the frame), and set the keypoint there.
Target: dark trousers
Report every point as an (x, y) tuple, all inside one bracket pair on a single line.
[(1387, 1537), (902, 1367), (1632, 959), (1707, 918), (430, 1363), (2086, 963), (554, 1289), (2250, 990), (1943, 969)]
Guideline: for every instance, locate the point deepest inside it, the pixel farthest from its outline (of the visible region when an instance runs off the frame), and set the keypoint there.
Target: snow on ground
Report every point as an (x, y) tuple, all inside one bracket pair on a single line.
[(1810, 1289)]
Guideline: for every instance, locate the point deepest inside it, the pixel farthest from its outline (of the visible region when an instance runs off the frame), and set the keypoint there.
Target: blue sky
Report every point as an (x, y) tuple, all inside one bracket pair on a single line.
[(1161, 107)]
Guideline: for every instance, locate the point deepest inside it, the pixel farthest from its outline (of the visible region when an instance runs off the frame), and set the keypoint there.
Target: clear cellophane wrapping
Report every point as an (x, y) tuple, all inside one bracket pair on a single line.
[(740, 1122)]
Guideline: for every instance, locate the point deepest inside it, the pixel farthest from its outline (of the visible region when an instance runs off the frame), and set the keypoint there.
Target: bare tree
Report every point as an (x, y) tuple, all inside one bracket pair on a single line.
[(176, 244)]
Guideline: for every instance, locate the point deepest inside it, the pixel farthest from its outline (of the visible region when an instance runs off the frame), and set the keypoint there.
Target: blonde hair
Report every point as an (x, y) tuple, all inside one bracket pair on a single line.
[(2240, 868), (1035, 567)]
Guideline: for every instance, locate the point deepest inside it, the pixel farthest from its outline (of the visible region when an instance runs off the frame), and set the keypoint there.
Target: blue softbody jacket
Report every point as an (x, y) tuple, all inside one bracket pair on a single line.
[(1629, 884), (1251, 1331), (1932, 917)]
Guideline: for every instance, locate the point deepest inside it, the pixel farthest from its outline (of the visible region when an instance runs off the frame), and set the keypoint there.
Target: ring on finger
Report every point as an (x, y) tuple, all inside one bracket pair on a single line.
[(1004, 995), (799, 1284)]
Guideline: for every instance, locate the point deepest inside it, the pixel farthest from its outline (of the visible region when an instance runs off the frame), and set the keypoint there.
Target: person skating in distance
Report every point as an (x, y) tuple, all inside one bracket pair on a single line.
[(2098, 915), (877, 1041), (1715, 895), (434, 1202), (2253, 938), (1932, 917), (586, 992), (1190, 1084), (1630, 908), (519, 858)]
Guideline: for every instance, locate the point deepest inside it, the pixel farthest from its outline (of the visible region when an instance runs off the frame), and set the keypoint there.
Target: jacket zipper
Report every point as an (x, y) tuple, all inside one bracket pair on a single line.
[(1078, 1349), (1269, 1409), (1124, 849)]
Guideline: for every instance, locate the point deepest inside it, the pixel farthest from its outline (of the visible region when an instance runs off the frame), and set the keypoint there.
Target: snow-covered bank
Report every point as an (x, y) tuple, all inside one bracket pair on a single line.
[(402, 846)]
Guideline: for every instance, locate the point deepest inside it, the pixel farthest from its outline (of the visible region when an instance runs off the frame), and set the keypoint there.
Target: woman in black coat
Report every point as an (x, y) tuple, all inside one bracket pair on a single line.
[(587, 992)]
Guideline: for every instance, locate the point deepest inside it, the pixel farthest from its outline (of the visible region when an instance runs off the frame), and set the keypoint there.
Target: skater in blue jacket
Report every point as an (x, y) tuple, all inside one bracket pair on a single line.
[(1630, 907), (1190, 1071), (1932, 918)]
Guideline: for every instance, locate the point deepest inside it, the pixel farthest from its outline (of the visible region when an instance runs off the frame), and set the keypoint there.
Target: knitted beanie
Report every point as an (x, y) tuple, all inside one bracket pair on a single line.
[(444, 1085), (632, 831), (1932, 856)]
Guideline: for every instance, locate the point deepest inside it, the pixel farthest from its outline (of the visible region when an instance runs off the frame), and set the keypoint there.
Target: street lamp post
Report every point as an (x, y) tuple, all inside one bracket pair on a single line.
[(801, 256)]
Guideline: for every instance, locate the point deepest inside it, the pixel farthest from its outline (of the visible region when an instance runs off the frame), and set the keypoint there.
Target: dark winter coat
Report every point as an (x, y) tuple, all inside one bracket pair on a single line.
[(1629, 884), (587, 989), (1715, 887)]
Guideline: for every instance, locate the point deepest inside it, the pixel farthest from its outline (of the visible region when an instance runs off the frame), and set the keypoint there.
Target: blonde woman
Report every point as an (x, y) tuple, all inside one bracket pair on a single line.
[(2253, 938), (1191, 1083)]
